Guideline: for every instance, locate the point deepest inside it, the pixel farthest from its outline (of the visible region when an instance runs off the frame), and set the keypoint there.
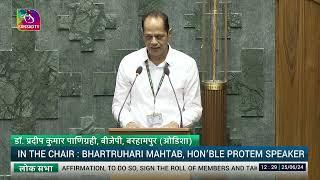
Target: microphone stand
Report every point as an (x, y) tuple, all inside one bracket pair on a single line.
[(167, 72), (138, 72)]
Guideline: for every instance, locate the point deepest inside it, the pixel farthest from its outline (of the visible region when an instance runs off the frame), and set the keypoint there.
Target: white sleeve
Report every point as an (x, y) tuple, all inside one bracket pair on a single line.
[(122, 88), (192, 108)]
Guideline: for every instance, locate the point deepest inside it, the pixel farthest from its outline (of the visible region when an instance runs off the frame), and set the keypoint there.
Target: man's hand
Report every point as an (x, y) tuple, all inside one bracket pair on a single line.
[(172, 124), (132, 125)]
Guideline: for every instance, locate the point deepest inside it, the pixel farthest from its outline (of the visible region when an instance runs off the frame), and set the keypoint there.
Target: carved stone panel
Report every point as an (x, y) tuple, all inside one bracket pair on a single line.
[(252, 82), (86, 22), (28, 82)]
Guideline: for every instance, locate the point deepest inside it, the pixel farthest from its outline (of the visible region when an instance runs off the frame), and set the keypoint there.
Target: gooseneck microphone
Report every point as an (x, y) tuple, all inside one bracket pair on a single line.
[(167, 72), (138, 72)]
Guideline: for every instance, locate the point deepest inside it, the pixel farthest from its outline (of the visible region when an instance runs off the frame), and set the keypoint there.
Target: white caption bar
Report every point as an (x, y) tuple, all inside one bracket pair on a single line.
[(170, 168)]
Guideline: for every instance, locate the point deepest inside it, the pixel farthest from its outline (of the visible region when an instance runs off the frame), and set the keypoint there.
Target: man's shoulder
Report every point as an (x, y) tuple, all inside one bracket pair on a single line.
[(135, 56)]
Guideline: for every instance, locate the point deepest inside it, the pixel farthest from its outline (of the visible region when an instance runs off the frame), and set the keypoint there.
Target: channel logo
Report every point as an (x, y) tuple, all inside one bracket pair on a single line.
[(28, 20)]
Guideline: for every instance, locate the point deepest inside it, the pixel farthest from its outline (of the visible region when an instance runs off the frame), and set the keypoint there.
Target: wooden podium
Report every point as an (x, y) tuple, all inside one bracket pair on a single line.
[(153, 131), (150, 131)]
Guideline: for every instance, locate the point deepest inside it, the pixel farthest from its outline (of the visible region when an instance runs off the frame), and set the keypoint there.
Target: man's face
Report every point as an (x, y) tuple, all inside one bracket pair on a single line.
[(155, 37)]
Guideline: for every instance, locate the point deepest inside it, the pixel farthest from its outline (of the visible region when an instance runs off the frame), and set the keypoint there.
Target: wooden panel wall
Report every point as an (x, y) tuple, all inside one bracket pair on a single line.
[(298, 77)]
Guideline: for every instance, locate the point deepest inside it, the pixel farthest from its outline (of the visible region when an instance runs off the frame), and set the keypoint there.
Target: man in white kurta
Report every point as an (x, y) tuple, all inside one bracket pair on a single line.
[(152, 102)]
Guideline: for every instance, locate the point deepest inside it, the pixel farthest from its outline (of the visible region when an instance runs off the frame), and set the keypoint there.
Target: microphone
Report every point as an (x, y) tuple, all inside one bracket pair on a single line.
[(138, 72), (167, 72)]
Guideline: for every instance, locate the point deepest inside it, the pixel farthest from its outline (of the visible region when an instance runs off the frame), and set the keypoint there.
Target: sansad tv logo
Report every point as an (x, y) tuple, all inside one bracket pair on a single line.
[(28, 20)]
